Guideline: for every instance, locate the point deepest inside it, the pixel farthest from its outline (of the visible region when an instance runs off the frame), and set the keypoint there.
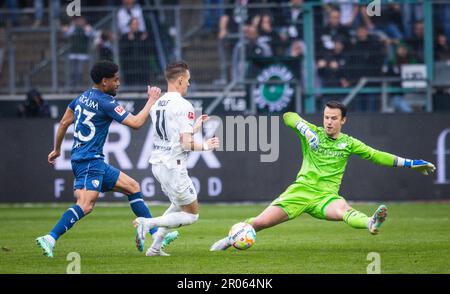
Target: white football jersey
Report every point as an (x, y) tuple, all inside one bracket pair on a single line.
[(171, 116)]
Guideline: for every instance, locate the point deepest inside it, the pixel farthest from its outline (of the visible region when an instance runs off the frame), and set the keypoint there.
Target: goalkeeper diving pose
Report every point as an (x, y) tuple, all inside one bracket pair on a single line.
[(315, 191)]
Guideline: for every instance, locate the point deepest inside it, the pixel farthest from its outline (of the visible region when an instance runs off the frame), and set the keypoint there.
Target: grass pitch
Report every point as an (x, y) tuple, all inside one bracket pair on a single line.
[(415, 239)]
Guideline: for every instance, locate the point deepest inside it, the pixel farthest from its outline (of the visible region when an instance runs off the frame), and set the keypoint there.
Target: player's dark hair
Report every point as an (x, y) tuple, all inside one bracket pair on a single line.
[(337, 105), (103, 69), (175, 69)]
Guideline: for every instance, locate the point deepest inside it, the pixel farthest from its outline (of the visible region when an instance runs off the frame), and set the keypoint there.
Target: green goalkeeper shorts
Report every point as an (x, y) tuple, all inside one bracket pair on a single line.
[(296, 200)]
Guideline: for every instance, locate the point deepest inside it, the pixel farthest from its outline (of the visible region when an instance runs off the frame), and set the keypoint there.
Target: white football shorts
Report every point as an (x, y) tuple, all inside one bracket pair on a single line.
[(175, 183)]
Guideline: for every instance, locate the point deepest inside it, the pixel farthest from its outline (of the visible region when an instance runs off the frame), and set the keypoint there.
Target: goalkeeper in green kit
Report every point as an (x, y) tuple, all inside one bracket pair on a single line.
[(315, 191)]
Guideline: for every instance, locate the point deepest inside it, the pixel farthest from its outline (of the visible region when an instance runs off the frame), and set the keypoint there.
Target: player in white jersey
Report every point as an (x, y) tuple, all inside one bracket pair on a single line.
[(173, 125)]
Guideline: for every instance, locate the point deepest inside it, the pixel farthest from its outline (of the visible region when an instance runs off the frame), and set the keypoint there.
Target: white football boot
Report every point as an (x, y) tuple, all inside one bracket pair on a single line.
[(153, 252), (378, 218), (143, 226), (222, 244)]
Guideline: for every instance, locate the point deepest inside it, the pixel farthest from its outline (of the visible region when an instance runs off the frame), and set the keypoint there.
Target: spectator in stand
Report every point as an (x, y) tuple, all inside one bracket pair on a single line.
[(38, 12), (444, 18), (232, 18), (332, 71), (411, 13), (38, 6), (228, 35), (366, 54), (127, 11), (212, 16), (268, 35), (442, 47), (34, 106), (12, 5), (388, 23), (348, 9), (296, 49), (366, 58), (332, 31), (104, 46), (387, 26), (402, 56), (292, 21), (255, 48), (416, 41), (332, 67), (135, 55), (79, 33)]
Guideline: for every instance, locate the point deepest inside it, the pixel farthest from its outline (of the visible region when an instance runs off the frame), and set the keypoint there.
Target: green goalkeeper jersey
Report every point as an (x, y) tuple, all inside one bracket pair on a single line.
[(323, 168)]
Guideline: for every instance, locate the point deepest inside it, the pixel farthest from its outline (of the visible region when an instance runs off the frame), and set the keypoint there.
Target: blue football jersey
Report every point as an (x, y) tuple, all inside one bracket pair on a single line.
[(94, 111)]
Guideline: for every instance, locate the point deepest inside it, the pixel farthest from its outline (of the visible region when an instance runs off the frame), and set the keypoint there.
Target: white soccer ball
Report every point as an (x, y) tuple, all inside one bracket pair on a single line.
[(242, 236)]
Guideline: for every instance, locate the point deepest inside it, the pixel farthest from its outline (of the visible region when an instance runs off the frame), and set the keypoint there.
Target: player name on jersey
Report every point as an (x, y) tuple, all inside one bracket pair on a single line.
[(88, 102)]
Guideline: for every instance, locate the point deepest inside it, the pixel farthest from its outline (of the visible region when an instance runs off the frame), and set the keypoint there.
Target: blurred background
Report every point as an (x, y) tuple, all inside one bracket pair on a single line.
[(389, 63)]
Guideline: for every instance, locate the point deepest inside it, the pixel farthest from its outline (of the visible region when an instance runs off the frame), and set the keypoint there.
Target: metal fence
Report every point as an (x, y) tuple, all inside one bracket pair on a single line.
[(336, 49)]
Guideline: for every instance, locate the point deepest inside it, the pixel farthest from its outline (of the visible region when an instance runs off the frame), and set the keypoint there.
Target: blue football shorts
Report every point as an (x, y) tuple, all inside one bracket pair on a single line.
[(94, 175)]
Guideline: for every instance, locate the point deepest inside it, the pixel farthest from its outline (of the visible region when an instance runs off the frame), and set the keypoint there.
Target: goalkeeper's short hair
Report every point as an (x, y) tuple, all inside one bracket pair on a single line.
[(337, 105)]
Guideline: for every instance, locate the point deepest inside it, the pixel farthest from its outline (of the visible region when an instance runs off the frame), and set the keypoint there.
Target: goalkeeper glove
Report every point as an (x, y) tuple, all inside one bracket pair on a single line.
[(310, 135), (420, 165)]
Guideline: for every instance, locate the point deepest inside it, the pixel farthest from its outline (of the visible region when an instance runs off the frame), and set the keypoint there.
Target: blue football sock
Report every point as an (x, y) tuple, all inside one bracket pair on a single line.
[(68, 219), (139, 207)]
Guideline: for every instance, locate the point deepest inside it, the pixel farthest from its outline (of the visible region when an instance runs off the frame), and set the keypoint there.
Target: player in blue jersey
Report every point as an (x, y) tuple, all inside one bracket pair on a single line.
[(92, 113)]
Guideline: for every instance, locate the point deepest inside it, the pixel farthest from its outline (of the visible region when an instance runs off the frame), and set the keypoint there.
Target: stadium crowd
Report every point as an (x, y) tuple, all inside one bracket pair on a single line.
[(348, 43)]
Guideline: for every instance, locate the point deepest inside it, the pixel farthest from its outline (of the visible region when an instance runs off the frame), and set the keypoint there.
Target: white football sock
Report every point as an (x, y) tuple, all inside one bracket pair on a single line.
[(50, 239), (174, 220), (159, 238), (172, 208)]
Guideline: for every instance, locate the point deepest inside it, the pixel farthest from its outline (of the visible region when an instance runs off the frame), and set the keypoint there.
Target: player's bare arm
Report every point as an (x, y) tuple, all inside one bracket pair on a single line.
[(64, 124), (138, 120), (199, 122), (188, 143)]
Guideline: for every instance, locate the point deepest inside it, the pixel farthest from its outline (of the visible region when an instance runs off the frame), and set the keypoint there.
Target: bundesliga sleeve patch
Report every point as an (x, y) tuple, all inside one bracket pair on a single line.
[(120, 110), (191, 115)]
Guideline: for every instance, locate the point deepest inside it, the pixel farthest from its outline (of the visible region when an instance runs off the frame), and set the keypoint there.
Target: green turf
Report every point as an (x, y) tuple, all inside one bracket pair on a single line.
[(415, 239)]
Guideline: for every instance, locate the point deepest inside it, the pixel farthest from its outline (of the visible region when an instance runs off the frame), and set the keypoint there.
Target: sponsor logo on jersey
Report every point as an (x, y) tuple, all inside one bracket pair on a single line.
[(331, 153), (119, 109), (159, 147), (95, 183), (191, 115), (342, 145)]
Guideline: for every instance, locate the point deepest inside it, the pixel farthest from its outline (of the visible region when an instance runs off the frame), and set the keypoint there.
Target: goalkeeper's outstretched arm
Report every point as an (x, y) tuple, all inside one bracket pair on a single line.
[(387, 159), (302, 127)]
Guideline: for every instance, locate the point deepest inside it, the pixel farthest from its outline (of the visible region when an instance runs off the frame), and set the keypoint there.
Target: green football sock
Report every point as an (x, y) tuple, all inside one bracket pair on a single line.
[(356, 219)]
